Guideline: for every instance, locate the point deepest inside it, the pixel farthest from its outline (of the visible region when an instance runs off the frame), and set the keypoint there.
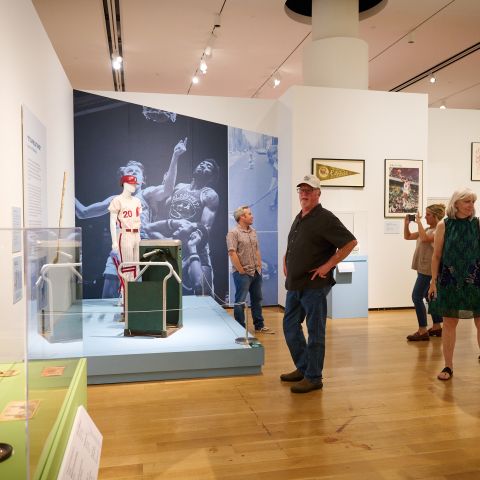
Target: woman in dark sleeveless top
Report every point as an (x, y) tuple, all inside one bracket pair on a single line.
[(455, 285)]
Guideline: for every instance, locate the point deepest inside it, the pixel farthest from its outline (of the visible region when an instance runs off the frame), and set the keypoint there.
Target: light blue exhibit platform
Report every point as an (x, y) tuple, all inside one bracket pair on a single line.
[(349, 297), (204, 347)]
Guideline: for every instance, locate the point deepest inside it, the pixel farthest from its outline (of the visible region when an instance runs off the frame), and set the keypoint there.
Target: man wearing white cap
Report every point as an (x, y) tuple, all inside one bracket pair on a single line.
[(317, 242)]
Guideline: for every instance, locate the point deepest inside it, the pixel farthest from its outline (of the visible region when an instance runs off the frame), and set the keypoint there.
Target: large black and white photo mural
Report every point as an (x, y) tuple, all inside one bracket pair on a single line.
[(182, 167)]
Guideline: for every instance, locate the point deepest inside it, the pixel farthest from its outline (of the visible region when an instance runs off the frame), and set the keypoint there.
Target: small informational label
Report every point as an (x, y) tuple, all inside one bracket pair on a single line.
[(19, 410), (34, 170), (16, 233), (17, 279), (392, 228), (82, 455), (52, 371), (346, 267), (9, 373)]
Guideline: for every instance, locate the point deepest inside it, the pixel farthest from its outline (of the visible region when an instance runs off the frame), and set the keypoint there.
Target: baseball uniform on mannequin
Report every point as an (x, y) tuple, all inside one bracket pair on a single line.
[(125, 210)]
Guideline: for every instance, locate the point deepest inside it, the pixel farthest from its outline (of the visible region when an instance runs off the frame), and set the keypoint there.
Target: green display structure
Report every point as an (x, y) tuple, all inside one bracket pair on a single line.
[(45, 435), (144, 298)]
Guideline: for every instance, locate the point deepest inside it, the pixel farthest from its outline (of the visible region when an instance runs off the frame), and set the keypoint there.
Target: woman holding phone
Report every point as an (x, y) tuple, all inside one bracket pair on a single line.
[(422, 263), (455, 285)]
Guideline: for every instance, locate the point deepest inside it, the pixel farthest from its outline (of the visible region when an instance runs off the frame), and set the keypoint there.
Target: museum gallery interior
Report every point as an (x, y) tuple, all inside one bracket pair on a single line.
[(132, 132)]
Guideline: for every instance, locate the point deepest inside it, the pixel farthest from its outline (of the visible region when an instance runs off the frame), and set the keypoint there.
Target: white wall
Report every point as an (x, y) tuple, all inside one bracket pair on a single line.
[(357, 124), (450, 134), (31, 75)]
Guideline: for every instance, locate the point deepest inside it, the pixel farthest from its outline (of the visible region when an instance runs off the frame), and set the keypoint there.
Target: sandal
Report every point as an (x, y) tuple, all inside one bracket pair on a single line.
[(448, 371)]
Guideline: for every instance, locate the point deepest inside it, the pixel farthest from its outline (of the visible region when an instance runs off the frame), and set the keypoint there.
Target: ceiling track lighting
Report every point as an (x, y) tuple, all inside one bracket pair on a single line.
[(276, 80), (442, 105), (432, 78), (116, 57), (207, 52), (117, 61), (113, 22), (411, 37)]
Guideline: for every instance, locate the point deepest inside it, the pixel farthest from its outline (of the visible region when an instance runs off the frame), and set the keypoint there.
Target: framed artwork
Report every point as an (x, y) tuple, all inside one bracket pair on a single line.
[(403, 187), (475, 175), (334, 172), (432, 200)]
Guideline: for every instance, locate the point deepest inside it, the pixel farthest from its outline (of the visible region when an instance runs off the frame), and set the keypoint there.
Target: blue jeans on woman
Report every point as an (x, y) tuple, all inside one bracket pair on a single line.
[(245, 284), (312, 305), (419, 294)]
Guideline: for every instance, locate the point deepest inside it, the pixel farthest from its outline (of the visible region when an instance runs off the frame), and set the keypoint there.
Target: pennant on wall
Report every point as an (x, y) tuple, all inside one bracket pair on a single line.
[(325, 172)]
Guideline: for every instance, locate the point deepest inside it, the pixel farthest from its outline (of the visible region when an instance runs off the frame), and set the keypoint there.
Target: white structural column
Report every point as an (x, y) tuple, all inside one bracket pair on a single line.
[(336, 57)]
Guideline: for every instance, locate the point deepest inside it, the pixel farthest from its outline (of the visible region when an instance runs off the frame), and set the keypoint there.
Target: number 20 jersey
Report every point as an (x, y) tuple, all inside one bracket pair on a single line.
[(128, 210)]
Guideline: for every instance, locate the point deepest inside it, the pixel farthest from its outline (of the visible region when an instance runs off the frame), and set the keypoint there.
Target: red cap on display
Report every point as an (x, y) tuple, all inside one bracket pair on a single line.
[(131, 179)]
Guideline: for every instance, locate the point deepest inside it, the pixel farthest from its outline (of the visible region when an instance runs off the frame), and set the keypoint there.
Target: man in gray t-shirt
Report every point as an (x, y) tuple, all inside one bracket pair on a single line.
[(245, 256)]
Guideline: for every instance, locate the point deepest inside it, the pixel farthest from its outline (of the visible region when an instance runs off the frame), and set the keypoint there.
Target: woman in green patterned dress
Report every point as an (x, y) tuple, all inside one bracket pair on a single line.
[(455, 285)]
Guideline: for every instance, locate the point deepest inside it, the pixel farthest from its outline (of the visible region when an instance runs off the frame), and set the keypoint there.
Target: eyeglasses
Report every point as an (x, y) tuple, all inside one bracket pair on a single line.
[(308, 191)]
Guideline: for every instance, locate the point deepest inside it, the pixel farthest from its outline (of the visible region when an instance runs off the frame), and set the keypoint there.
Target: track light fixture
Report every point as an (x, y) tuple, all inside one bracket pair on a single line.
[(443, 106), (117, 61), (276, 80), (208, 51), (432, 78)]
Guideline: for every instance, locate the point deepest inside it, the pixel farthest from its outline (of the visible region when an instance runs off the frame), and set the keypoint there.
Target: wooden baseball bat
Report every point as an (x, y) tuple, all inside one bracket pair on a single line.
[(60, 218)]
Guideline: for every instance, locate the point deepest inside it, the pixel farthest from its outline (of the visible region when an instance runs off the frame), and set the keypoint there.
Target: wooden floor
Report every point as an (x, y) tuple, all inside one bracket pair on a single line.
[(381, 414)]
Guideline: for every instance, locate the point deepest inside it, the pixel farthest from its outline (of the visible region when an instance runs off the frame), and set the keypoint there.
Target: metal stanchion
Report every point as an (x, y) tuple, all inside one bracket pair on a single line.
[(247, 339)]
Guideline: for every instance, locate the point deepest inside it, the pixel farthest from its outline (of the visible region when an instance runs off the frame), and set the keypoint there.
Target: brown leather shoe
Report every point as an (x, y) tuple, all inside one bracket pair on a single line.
[(294, 376), (305, 386), (435, 332), (418, 337)]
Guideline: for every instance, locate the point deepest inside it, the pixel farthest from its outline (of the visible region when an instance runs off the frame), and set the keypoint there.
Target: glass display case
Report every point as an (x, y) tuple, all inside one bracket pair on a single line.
[(40, 388)]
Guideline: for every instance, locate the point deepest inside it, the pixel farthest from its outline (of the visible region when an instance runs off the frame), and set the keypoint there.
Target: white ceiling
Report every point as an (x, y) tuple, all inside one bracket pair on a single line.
[(163, 42)]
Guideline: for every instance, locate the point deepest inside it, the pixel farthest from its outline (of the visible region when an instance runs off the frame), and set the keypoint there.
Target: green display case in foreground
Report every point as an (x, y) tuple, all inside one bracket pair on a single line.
[(40, 395), (39, 442)]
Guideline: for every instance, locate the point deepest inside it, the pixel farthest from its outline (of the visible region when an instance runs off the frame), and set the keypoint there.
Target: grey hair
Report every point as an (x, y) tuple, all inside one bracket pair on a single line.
[(459, 195), (239, 212)]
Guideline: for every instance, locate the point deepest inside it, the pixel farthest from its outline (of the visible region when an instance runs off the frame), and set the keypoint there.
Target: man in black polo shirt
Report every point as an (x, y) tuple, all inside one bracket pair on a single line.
[(317, 242)]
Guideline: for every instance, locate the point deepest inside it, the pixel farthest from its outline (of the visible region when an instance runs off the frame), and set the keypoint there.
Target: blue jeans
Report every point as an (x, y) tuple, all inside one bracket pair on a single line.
[(312, 305), (419, 293), (245, 284)]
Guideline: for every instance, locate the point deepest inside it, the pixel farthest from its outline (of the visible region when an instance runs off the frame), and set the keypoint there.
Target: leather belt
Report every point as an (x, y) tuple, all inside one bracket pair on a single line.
[(131, 230)]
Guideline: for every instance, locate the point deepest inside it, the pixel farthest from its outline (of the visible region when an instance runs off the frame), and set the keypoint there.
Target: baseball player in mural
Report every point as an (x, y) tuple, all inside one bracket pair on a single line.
[(191, 213), (125, 210), (149, 198)]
